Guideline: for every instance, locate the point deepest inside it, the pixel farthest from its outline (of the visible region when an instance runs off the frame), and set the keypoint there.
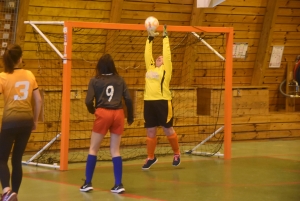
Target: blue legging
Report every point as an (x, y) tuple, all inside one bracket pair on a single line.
[(19, 138)]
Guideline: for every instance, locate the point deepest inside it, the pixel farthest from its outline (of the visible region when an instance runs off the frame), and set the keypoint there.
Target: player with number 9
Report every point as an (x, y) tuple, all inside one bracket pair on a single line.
[(18, 87), (104, 99)]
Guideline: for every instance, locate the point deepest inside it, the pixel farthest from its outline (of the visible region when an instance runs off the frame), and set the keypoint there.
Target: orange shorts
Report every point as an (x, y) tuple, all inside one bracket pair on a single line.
[(109, 120)]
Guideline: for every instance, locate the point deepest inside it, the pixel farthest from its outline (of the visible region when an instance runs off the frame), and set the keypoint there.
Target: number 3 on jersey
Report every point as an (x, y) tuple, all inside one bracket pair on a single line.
[(23, 87), (110, 92)]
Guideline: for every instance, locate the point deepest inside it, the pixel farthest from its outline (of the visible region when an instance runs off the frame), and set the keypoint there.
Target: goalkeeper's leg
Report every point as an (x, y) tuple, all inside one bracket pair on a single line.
[(151, 145), (173, 140)]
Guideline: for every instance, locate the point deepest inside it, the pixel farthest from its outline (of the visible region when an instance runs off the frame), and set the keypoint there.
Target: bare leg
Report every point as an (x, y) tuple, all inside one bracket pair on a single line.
[(115, 140), (96, 140)]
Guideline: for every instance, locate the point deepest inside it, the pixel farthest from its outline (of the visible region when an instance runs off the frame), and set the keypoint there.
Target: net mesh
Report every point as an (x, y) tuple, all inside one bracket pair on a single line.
[(9, 16), (196, 86)]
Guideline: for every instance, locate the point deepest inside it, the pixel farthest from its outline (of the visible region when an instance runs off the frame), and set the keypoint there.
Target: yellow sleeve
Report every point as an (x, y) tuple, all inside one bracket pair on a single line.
[(167, 56), (148, 55)]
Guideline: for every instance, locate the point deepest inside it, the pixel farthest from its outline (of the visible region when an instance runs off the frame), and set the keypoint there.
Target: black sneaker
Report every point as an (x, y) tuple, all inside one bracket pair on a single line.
[(9, 196), (86, 187), (149, 163), (176, 160), (118, 189)]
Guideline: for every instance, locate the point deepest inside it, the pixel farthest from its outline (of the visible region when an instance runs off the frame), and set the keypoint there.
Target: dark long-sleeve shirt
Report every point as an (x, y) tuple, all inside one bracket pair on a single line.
[(108, 91)]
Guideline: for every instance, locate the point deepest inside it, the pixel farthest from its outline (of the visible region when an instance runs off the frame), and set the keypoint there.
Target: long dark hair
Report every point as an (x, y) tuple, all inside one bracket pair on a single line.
[(106, 65), (11, 57)]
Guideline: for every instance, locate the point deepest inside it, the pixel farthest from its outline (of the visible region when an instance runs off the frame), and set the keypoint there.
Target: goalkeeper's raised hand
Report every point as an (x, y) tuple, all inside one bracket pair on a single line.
[(152, 33), (165, 33)]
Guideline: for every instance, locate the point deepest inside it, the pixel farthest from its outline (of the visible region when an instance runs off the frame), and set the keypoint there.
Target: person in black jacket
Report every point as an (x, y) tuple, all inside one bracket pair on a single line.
[(107, 89)]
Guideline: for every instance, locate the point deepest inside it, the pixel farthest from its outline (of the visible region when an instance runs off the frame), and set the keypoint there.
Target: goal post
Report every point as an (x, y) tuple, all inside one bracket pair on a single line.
[(68, 29), (228, 71)]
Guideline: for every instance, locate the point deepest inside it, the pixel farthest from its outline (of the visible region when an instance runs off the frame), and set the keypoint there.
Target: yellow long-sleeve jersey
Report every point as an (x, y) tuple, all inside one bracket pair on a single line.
[(158, 78)]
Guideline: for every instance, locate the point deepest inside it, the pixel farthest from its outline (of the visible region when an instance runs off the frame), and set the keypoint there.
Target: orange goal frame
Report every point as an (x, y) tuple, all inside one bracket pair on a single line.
[(67, 65)]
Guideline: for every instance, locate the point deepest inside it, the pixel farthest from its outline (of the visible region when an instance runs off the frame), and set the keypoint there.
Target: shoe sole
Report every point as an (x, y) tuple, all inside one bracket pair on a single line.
[(119, 191), (86, 189), (177, 164), (13, 198), (150, 165)]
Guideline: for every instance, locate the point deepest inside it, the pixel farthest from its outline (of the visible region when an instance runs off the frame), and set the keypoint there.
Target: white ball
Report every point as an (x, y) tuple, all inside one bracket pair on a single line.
[(151, 23)]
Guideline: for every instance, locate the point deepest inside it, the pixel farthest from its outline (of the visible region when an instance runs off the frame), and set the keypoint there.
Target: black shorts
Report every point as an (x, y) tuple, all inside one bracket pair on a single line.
[(158, 113)]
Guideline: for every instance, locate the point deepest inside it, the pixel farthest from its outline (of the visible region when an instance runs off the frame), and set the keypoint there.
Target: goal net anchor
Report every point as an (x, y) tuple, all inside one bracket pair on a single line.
[(29, 162), (192, 151), (33, 24)]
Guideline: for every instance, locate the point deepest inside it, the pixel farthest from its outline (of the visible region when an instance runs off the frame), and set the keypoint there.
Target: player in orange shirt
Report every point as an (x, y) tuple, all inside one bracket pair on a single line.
[(18, 87)]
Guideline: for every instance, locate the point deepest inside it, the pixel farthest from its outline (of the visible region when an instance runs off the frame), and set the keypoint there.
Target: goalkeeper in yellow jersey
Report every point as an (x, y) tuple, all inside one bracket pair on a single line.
[(158, 110)]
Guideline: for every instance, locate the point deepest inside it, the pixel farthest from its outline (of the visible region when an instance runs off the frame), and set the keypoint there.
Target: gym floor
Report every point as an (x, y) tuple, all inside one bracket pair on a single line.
[(259, 170)]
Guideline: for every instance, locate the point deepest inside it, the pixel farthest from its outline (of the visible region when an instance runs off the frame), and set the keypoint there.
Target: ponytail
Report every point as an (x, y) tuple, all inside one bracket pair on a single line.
[(11, 57)]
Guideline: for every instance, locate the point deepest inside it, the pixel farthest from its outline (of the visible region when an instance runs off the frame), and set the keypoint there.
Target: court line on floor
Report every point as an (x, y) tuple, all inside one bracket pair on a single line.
[(228, 184), (99, 189), (109, 164), (137, 164), (43, 169), (271, 156), (276, 156)]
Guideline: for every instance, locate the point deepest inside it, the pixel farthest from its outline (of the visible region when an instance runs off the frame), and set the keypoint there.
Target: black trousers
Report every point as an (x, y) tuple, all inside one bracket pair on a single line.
[(17, 139)]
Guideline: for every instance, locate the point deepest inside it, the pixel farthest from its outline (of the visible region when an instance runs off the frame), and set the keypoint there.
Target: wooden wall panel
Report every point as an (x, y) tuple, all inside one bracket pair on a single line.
[(168, 12), (248, 25), (244, 127), (286, 33), (245, 16)]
